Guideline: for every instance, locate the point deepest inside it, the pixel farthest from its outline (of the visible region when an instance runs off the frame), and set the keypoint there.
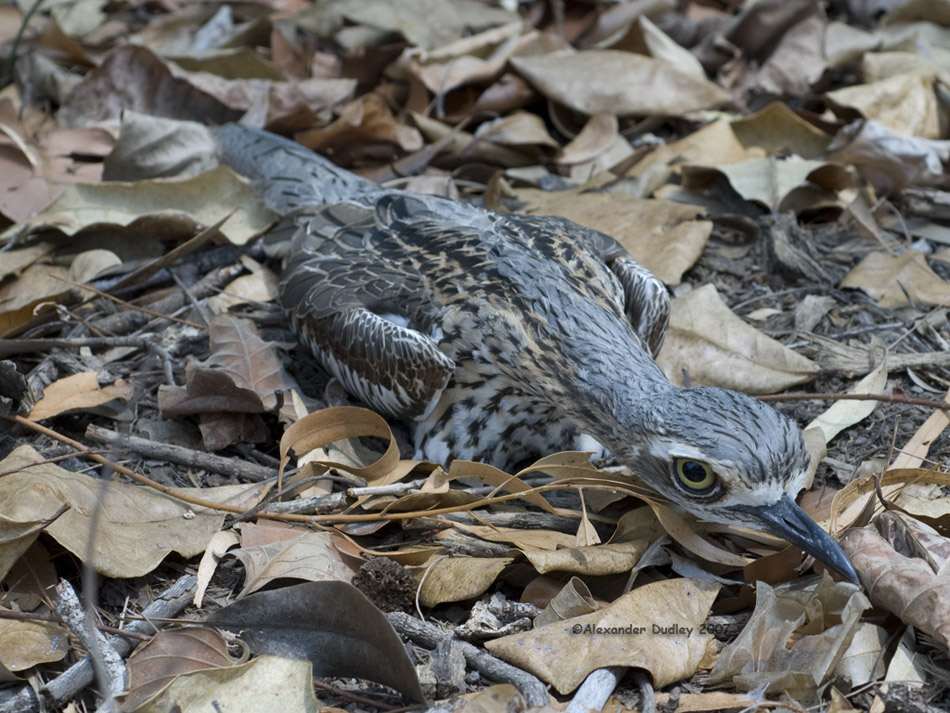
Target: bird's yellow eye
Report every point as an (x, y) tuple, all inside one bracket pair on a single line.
[(694, 475)]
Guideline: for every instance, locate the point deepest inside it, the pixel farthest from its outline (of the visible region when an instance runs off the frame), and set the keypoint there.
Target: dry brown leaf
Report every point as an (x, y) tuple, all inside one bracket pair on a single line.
[(28, 643), (248, 686), (654, 627), (169, 654), (203, 200), (713, 145), (30, 181), (913, 538), (778, 129), (592, 560), (906, 587), (857, 502), (915, 451), (796, 63), (573, 599), (79, 391), (824, 618), (598, 134), (217, 547), (789, 184), (922, 500), (36, 286), (259, 286), (718, 348), (365, 129), (517, 129), (207, 390), (490, 475), (892, 279), (844, 414), (905, 103), (646, 38), (477, 59), (132, 77), (334, 424), (753, 33), (862, 662), (310, 557), (890, 161), (251, 362), (620, 83), (500, 698), (424, 23), (136, 526), (456, 579), (534, 539)]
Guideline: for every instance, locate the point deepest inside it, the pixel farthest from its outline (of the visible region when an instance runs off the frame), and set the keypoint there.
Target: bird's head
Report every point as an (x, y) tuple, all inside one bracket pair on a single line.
[(726, 457)]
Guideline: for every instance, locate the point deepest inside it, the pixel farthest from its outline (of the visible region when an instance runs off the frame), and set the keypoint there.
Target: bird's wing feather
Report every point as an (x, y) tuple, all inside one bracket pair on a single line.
[(368, 321), (639, 294), (646, 301)]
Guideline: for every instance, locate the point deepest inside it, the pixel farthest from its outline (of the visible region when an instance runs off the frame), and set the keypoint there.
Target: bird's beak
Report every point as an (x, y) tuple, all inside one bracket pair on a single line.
[(788, 521)]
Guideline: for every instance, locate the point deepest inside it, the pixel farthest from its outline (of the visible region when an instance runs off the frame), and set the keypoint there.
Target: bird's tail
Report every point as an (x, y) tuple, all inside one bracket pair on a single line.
[(287, 175)]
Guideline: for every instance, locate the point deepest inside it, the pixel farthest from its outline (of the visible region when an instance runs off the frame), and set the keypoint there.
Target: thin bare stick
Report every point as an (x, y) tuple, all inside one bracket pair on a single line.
[(887, 398)]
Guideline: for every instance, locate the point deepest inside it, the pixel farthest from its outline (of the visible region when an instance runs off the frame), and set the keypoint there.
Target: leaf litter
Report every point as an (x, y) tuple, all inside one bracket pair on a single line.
[(780, 165)]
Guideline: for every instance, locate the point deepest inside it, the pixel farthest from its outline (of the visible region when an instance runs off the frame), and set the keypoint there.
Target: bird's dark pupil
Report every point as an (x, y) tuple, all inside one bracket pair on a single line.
[(694, 471)]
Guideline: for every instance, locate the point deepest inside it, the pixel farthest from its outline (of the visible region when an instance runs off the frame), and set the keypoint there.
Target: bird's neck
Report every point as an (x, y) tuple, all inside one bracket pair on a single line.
[(615, 378)]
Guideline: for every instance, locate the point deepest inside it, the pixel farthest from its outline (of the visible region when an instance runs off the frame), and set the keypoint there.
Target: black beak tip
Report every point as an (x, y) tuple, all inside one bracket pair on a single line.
[(787, 520)]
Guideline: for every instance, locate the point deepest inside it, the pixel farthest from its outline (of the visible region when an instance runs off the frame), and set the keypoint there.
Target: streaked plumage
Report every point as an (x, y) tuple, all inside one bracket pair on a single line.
[(505, 336)]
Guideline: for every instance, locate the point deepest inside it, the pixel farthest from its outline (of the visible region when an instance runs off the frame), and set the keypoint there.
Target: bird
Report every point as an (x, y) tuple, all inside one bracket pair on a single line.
[(503, 336)]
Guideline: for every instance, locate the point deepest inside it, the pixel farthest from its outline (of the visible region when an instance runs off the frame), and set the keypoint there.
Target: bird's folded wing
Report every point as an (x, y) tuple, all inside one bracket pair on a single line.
[(391, 368), (366, 320), (646, 301), (641, 295)]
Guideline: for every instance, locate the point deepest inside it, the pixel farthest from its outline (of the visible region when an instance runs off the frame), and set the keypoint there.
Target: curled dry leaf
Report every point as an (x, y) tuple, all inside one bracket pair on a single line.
[(595, 138), (477, 59), (912, 538), (654, 627), (789, 184), (905, 586), (825, 618), (334, 424)]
